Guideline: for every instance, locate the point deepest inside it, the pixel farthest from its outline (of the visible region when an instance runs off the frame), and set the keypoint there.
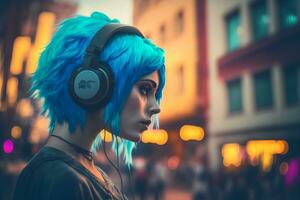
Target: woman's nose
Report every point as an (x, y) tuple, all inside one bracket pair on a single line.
[(154, 108), (155, 111)]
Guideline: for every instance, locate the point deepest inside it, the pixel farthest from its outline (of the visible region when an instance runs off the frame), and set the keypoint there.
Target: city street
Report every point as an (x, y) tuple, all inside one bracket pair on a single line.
[(151, 99), (174, 194)]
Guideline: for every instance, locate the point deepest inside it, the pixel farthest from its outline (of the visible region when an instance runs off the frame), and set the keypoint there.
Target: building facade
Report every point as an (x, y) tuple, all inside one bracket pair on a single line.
[(177, 28), (26, 27), (254, 78)]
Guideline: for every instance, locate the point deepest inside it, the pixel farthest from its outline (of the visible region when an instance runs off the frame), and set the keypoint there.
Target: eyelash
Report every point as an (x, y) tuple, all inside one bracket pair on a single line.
[(145, 90)]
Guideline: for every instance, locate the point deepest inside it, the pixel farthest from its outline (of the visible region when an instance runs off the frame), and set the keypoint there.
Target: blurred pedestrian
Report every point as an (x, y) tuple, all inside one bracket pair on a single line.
[(158, 180), (200, 184)]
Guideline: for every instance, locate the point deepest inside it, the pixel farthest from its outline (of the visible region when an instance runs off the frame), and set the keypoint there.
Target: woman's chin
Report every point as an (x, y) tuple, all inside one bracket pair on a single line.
[(134, 137)]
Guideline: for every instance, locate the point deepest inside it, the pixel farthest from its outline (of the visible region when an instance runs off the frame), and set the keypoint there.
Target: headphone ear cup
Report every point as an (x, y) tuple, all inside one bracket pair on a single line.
[(91, 87), (106, 75)]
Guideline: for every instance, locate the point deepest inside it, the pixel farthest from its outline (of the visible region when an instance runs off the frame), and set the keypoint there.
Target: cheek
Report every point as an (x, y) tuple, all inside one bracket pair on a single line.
[(134, 104), (133, 101)]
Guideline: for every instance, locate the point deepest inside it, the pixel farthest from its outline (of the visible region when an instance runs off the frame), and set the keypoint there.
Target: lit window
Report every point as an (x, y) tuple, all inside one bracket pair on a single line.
[(233, 28), (180, 75), (291, 84), (179, 23), (263, 90), (234, 96), (162, 34), (287, 10), (260, 20), (12, 90)]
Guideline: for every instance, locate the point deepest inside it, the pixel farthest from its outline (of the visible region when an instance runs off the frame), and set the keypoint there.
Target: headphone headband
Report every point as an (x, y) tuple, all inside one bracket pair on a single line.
[(106, 33)]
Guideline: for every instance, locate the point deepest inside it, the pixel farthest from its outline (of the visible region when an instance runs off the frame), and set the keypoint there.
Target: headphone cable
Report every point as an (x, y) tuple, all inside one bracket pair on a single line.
[(114, 166), (131, 185), (118, 165)]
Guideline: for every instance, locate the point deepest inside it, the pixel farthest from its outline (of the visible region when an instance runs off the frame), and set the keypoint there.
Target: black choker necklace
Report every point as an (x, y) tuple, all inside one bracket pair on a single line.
[(87, 154)]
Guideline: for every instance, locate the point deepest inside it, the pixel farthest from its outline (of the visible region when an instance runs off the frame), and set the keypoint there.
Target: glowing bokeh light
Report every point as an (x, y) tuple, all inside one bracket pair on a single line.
[(44, 30), (173, 162), (189, 132), (284, 167), (264, 151), (106, 136), (8, 146), (16, 132), (24, 108), (20, 51), (231, 154), (12, 90), (158, 136), (293, 172)]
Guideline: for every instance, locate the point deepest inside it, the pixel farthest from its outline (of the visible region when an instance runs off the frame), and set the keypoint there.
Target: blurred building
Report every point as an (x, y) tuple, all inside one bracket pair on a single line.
[(254, 78), (179, 28), (25, 29)]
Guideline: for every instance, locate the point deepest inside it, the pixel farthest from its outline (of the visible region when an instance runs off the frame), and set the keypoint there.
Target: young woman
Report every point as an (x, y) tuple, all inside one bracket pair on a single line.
[(94, 75)]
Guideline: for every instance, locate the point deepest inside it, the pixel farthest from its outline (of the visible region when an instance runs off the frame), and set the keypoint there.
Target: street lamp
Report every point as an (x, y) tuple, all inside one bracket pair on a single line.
[(189, 132), (158, 136)]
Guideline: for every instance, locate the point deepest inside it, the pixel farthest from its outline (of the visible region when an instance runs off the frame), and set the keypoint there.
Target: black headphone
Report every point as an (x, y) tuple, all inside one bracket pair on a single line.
[(91, 84)]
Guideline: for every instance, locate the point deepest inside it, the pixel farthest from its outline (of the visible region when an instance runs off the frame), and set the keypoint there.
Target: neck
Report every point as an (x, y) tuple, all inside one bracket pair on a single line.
[(82, 138)]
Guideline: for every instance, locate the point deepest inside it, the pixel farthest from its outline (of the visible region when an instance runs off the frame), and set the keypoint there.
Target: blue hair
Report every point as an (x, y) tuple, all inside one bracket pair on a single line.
[(129, 56)]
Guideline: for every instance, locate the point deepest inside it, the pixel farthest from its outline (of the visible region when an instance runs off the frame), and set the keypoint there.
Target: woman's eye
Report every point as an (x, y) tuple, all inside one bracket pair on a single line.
[(145, 90)]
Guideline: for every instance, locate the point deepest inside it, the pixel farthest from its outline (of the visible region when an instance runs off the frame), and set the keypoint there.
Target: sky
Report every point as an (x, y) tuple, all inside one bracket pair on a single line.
[(120, 9)]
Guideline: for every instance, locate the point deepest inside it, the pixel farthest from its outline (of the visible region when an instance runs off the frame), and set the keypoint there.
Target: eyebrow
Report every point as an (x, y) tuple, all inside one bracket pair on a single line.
[(154, 84)]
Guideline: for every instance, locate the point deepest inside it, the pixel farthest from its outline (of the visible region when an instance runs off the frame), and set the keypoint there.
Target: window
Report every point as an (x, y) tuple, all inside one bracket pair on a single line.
[(260, 20), (179, 23), (140, 7), (263, 90), (234, 96), (143, 4), (291, 84), (162, 34), (180, 76), (287, 10), (232, 29)]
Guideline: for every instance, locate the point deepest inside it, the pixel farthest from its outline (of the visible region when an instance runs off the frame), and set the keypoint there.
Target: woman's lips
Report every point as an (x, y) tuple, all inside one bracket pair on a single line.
[(144, 124), (143, 127)]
